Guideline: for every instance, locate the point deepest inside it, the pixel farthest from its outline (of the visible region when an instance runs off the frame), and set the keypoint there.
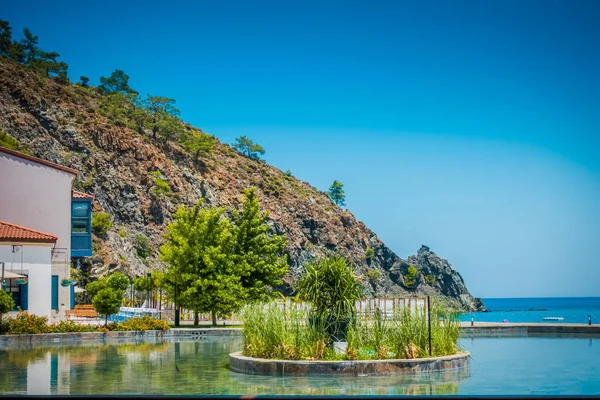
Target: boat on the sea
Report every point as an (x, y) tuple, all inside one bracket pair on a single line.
[(553, 318)]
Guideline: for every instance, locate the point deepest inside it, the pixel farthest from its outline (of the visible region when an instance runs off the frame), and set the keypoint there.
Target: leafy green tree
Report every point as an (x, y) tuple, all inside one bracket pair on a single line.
[(198, 252), (30, 46), (16, 52), (5, 37), (162, 110), (198, 143), (336, 193), (248, 147), (107, 302), (257, 253), (117, 82), (108, 293), (6, 303), (84, 80)]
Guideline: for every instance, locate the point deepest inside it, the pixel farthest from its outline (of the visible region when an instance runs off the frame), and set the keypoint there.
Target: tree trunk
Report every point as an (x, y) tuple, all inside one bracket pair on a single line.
[(214, 318), (106, 321), (196, 320)]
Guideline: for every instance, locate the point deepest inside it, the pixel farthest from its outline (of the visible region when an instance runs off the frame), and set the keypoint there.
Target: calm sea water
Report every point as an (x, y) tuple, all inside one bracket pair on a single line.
[(572, 309), (499, 366)]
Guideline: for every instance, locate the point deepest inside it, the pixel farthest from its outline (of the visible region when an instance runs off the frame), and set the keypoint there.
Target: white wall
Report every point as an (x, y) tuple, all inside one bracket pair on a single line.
[(38, 197), (37, 265)]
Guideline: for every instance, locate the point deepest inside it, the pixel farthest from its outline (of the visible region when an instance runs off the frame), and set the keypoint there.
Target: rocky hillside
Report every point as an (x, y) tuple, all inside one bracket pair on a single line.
[(126, 170)]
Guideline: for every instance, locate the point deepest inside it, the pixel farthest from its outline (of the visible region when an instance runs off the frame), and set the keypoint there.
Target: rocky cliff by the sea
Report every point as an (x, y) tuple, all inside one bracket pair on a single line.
[(119, 166)]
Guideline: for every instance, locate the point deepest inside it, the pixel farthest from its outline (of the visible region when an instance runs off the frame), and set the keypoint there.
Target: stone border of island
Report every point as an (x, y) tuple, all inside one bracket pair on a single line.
[(261, 366), (487, 329)]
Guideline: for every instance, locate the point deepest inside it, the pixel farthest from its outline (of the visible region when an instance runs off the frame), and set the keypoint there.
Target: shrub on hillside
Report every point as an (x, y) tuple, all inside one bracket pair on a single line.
[(142, 246), (101, 223)]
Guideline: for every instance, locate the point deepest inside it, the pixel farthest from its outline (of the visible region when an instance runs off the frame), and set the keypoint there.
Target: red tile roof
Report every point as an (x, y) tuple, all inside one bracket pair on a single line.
[(81, 195), (16, 233), (38, 160)]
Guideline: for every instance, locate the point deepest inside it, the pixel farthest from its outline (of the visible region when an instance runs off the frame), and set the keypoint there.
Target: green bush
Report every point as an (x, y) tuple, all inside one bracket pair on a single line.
[(29, 324), (369, 253), (6, 303), (373, 275), (70, 326), (430, 279), (11, 143), (142, 246), (26, 323), (161, 188), (410, 277), (122, 233), (101, 223), (144, 323)]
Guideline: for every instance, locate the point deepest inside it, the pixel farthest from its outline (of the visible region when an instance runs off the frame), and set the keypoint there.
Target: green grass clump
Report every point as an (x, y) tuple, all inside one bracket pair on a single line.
[(269, 332)]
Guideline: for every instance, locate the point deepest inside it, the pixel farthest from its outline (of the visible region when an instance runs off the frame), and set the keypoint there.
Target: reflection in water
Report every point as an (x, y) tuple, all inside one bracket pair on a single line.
[(183, 367), (506, 366)]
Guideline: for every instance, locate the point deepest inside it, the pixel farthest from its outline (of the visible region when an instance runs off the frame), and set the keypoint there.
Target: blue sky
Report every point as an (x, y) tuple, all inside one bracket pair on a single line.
[(468, 126)]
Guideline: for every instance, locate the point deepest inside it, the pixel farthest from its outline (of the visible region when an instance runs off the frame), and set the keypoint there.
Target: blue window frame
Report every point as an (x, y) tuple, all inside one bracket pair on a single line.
[(55, 292), (81, 228)]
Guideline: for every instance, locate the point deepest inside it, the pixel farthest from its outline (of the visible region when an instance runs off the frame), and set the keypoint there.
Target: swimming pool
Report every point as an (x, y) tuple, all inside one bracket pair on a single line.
[(514, 366)]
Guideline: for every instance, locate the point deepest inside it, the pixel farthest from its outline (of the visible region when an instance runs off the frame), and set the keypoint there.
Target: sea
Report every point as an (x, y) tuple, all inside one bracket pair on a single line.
[(567, 310)]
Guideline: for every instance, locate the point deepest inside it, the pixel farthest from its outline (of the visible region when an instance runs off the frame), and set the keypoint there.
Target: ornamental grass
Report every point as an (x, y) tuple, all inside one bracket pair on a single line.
[(291, 334)]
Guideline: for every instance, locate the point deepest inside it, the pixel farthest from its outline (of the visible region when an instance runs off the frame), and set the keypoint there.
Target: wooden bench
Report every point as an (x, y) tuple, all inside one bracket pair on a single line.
[(84, 307), (82, 313)]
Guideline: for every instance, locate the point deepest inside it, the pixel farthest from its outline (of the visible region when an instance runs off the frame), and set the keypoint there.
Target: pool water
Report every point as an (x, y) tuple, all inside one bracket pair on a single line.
[(508, 366)]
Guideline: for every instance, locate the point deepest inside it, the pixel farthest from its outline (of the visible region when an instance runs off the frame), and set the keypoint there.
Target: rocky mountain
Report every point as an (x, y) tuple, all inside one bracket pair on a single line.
[(124, 168)]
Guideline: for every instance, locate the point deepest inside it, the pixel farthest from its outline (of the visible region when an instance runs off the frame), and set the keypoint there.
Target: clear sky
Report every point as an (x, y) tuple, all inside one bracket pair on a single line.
[(470, 126)]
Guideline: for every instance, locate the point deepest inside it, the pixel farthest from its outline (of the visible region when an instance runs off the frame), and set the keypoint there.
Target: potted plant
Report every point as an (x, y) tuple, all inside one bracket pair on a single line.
[(66, 282), (22, 281)]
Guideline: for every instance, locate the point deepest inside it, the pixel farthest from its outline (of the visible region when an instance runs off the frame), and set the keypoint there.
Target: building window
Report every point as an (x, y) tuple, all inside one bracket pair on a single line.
[(80, 210), (80, 226)]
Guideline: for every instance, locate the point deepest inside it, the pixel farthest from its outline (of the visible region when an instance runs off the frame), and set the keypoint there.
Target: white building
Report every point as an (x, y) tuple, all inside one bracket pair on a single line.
[(37, 195), (27, 257)]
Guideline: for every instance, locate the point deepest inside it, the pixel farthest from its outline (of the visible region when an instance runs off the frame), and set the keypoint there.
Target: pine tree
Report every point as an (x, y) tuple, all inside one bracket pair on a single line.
[(336, 193), (259, 254), (5, 37), (30, 46), (118, 82), (248, 147), (198, 143), (84, 80)]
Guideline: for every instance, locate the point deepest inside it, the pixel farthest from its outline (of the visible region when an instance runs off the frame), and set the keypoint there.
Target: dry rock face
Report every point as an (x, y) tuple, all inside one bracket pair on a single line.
[(62, 123)]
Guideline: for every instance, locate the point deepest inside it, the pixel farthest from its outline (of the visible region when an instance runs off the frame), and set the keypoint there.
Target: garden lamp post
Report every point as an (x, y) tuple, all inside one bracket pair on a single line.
[(149, 275), (131, 285), (176, 308)]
